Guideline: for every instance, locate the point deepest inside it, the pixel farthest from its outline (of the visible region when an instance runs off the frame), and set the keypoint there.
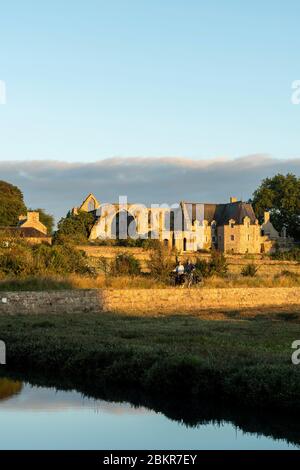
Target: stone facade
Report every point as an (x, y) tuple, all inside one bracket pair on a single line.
[(231, 227)]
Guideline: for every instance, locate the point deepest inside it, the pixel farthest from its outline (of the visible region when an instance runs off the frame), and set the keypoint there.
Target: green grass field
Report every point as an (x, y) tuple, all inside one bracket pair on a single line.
[(245, 359)]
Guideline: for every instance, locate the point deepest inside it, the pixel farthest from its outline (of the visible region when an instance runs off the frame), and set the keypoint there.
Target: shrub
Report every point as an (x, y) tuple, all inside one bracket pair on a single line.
[(21, 260), (103, 242), (291, 255), (130, 242), (217, 265), (202, 268), (150, 244), (125, 264), (290, 274), (17, 260), (60, 259), (104, 265), (161, 262), (249, 270)]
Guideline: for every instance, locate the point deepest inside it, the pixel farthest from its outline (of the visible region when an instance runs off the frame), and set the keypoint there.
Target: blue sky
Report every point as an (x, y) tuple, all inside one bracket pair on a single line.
[(180, 78)]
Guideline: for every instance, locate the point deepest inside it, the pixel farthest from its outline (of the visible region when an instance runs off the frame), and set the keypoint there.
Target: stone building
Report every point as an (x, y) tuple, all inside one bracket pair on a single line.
[(230, 227), (29, 228)]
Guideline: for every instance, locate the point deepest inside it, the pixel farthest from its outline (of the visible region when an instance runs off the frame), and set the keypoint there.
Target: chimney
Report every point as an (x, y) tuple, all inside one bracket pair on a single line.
[(33, 216), (266, 217), (233, 199)]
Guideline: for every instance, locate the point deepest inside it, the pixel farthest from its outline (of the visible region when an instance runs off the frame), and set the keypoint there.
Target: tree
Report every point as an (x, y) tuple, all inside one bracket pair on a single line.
[(11, 204), (280, 195), (46, 219), (74, 228)]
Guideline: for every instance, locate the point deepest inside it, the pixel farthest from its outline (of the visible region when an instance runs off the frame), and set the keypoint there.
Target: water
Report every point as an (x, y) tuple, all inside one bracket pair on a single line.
[(34, 417)]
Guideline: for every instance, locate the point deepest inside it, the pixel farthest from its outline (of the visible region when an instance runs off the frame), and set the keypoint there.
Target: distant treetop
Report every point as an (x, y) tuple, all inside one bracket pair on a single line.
[(11, 204)]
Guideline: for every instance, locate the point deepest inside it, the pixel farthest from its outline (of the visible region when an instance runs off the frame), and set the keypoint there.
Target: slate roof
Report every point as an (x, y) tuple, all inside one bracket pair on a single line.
[(223, 213), (24, 232)]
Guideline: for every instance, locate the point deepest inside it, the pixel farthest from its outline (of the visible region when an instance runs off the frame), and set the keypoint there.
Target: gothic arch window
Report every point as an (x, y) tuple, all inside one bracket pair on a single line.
[(91, 205), (123, 225)]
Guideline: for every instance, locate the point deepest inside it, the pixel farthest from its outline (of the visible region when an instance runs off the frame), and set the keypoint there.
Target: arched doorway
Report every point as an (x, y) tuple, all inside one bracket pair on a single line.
[(123, 226)]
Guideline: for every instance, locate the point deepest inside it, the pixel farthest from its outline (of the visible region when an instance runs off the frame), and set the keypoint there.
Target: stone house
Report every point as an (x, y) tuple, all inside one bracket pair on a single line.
[(229, 227), (29, 228)]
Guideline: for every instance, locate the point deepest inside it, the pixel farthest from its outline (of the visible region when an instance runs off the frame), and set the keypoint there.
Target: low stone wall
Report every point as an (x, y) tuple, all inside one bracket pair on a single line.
[(144, 301), (62, 301)]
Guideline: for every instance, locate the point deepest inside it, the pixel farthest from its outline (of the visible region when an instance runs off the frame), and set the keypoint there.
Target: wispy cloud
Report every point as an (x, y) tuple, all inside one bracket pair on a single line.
[(57, 186)]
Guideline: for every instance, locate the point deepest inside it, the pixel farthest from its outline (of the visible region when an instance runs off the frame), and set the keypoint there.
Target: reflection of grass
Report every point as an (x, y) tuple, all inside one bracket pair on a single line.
[(245, 358), (9, 388)]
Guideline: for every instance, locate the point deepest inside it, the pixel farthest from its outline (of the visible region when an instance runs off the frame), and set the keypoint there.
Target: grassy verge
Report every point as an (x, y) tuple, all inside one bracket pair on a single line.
[(144, 281), (244, 359)]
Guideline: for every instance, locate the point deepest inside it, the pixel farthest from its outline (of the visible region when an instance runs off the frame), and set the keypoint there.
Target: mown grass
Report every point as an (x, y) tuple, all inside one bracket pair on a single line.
[(242, 359)]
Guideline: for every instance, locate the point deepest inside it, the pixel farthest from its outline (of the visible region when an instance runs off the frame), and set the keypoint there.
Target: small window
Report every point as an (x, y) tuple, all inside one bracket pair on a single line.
[(248, 237), (232, 238), (232, 225)]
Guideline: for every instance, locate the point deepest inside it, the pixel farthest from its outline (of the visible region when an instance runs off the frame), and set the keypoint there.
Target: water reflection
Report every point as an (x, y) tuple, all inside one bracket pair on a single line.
[(34, 417)]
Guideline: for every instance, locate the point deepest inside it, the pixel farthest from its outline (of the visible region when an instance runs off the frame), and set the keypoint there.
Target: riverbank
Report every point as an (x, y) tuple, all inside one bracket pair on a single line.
[(243, 358)]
